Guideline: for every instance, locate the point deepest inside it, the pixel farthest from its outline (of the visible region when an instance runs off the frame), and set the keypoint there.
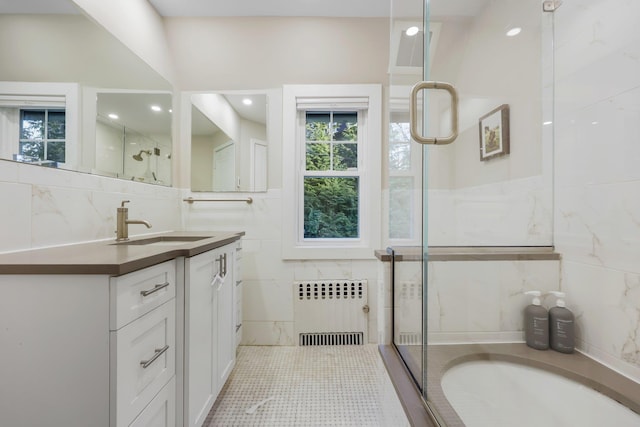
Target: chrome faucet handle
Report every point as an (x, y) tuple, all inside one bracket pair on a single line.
[(123, 202)]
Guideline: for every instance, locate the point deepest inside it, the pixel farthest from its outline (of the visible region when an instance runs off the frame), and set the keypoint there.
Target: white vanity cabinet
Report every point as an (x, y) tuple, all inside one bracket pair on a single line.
[(110, 335), (73, 348), (209, 330)]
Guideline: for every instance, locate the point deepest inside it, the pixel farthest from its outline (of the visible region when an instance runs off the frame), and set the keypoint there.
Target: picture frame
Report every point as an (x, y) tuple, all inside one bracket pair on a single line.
[(494, 133)]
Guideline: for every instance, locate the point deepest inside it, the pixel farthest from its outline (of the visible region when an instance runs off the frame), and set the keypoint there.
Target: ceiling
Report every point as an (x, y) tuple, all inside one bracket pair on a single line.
[(326, 8), (348, 8)]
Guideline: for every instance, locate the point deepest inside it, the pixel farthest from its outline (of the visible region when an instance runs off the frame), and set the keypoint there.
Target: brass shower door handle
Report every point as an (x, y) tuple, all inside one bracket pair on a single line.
[(413, 113)]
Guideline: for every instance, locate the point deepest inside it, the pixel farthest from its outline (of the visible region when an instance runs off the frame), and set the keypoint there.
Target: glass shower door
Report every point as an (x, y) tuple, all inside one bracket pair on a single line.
[(405, 166), (485, 198)]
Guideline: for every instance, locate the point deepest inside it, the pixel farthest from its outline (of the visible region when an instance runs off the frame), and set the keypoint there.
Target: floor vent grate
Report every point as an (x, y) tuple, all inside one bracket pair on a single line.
[(331, 338)]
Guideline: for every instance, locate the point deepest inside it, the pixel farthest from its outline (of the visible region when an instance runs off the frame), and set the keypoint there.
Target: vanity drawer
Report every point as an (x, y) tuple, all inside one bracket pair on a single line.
[(161, 412), (137, 293), (142, 361)]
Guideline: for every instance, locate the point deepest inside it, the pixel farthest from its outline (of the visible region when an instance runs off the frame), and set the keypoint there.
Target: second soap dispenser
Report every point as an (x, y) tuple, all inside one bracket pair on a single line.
[(536, 323), (561, 326)]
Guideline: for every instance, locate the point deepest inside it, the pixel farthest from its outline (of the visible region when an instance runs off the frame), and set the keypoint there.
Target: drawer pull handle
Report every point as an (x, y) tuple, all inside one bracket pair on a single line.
[(154, 290), (159, 351)]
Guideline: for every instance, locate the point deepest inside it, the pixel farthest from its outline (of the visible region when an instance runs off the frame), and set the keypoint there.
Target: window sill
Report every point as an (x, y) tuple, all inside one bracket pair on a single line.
[(342, 252)]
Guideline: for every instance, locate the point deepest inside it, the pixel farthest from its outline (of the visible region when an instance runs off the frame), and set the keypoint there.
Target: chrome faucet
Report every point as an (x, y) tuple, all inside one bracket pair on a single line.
[(122, 233)]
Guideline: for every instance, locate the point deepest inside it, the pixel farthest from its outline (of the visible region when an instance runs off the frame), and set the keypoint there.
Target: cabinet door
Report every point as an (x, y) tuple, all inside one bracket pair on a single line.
[(226, 348), (200, 336)]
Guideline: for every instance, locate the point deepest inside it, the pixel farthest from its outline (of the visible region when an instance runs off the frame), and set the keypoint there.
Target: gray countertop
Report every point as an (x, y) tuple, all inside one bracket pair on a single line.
[(470, 253), (108, 257)]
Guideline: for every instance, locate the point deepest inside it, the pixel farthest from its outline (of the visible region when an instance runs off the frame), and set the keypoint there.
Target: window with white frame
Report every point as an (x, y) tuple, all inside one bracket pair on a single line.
[(404, 182), (39, 123), (332, 192), (42, 135)]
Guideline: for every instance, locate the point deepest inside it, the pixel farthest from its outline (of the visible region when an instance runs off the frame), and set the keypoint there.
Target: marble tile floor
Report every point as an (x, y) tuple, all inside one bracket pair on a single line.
[(308, 386)]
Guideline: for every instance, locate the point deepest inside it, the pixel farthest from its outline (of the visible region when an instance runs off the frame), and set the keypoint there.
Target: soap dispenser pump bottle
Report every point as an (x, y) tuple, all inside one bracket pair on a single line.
[(536, 323), (561, 324)]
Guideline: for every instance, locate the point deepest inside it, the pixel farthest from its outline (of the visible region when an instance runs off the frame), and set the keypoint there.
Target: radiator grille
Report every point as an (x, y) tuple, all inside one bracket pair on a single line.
[(330, 312), (408, 338), (354, 338), (330, 290)]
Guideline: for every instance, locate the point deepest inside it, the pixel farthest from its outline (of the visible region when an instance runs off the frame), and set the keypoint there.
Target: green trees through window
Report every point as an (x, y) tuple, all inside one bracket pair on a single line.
[(42, 135), (331, 179)]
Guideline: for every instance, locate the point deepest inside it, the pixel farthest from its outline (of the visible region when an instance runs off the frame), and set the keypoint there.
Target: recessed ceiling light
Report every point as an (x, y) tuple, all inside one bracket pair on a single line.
[(412, 31), (113, 116), (156, 108), (247, 101), (514, 31)]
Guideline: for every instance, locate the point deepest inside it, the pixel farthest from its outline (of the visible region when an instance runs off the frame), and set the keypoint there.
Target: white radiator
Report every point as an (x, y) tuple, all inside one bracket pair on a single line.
[(331, 312)]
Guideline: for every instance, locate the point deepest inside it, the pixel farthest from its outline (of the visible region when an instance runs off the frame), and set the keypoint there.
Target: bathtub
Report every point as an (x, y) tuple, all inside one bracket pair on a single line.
[(505, 394)]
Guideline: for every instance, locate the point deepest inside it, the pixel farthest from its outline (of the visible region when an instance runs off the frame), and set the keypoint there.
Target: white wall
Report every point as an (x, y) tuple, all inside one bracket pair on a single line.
[(138, 26), (202, 161), (263, 53), (77, 50), (597, 178), (109, 146), (260, 53)]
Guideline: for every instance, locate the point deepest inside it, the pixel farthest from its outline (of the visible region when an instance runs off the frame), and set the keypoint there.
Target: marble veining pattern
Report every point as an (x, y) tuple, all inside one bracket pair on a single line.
[(53, 206), (631, 347), (308, 386), (504, 214), (597, 227)]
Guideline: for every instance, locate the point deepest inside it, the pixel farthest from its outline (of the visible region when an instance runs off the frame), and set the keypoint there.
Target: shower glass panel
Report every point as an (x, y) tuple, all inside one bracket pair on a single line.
[(485, 202)]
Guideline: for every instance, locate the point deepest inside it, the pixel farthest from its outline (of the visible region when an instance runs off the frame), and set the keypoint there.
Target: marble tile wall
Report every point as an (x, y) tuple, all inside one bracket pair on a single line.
[(468, 301), (515, 212), (597, 178), (46, 207), (268, 315)]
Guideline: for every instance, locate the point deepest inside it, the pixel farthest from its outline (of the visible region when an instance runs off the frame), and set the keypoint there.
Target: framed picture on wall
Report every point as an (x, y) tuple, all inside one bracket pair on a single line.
[(494, 133)]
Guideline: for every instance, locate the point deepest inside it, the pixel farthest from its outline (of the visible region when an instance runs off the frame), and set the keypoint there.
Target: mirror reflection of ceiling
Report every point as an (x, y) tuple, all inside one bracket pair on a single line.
[(256, 112), (147, 113)]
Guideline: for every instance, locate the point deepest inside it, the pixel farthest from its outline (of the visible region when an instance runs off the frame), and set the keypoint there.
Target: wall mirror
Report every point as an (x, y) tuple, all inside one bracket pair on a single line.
[(229, 142), (52, 80), (133, 136)]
